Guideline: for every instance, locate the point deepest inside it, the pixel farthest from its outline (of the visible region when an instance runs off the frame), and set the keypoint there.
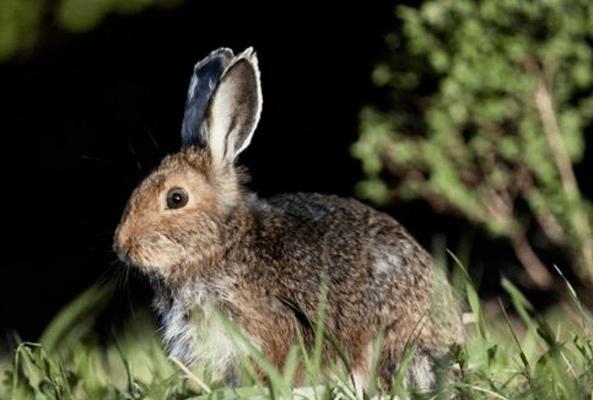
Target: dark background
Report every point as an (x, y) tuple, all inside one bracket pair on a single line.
[(87, 115)]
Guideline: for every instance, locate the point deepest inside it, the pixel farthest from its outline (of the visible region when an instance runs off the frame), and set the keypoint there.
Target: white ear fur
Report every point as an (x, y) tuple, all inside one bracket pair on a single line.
[(235, 108)]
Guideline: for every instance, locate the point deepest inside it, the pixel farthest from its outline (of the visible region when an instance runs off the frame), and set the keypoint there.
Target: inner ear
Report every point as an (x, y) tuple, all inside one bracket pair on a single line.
[(235, 109)]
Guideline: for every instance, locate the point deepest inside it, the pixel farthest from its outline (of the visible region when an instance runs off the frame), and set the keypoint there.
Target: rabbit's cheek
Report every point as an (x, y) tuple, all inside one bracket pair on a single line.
[(156, 252)]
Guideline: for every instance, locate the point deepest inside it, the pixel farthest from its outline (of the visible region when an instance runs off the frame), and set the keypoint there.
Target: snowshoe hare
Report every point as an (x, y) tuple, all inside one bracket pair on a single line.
[(213, 248)]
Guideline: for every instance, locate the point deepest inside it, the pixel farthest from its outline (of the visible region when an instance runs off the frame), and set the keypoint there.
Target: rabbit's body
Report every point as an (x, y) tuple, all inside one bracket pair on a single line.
[(269, 283), (212, 247)]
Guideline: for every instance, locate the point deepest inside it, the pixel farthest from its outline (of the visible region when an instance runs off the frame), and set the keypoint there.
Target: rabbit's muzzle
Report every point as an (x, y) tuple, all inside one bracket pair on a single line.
[(127, 245), (148, 251), (122, 244)]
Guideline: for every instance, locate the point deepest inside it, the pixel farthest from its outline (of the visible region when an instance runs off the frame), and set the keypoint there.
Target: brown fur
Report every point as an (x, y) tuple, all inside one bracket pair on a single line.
[(263, 263), (279, 252)]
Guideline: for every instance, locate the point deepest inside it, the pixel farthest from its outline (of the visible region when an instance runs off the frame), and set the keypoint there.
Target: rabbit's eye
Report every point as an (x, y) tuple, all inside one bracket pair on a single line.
[(176, 198)]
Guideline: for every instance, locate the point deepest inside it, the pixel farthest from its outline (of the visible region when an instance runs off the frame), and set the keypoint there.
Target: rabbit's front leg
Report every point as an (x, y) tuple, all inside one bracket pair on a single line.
[(231, 375), (272, 327)]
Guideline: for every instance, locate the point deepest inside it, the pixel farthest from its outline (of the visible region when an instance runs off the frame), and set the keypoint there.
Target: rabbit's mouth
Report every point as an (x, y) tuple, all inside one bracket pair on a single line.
[(150, 254), (122, 255), (128, 255), (122, 250)]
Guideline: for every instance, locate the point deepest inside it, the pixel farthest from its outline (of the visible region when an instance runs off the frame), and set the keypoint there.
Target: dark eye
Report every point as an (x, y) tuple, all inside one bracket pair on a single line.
[(176, 198)]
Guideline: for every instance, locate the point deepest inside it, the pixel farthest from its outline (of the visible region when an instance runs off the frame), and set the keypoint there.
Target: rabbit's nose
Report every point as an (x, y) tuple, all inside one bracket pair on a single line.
[(122, 254), (121, 242)]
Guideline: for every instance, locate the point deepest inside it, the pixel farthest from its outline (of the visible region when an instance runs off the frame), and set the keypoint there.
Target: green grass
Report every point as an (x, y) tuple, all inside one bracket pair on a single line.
[(510, 353)]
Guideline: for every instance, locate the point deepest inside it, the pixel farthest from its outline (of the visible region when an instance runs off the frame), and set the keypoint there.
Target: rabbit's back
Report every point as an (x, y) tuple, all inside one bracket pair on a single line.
[(378, 278), (343, 235), (374, 270)]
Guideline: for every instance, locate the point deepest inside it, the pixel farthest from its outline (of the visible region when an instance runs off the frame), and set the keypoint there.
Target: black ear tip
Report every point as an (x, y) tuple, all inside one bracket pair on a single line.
[(221, 56), (228, 52), (206, 75)]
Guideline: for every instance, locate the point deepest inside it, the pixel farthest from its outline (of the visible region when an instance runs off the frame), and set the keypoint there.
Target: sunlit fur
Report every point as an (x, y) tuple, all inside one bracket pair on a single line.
[(262, 263), (157, 239)]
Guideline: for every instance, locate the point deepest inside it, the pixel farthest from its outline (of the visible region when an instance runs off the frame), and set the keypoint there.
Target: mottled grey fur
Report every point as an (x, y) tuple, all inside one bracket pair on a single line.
[(262, 264)]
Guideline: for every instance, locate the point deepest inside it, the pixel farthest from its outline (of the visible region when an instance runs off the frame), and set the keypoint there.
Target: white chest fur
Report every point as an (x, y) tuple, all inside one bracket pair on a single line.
[(195, 332)]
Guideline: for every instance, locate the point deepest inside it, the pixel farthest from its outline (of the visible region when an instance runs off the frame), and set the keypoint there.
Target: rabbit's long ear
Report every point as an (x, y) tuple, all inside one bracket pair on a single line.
[(204, 81), (235, 108)]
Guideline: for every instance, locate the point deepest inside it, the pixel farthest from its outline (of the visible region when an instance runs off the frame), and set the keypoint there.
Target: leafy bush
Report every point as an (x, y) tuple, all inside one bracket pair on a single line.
[(24, 22), (487, 105)]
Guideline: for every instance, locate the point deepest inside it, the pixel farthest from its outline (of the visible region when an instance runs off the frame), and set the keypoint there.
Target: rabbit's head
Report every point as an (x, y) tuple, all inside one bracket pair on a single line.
[(174, 217)]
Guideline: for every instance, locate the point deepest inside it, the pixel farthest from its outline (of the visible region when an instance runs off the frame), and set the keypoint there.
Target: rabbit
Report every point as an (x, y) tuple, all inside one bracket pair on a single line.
[(212, 248)]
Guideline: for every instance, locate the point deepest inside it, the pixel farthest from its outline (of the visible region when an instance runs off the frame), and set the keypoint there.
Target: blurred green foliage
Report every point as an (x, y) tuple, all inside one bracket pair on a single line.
[(23, 23), (486, 107)]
